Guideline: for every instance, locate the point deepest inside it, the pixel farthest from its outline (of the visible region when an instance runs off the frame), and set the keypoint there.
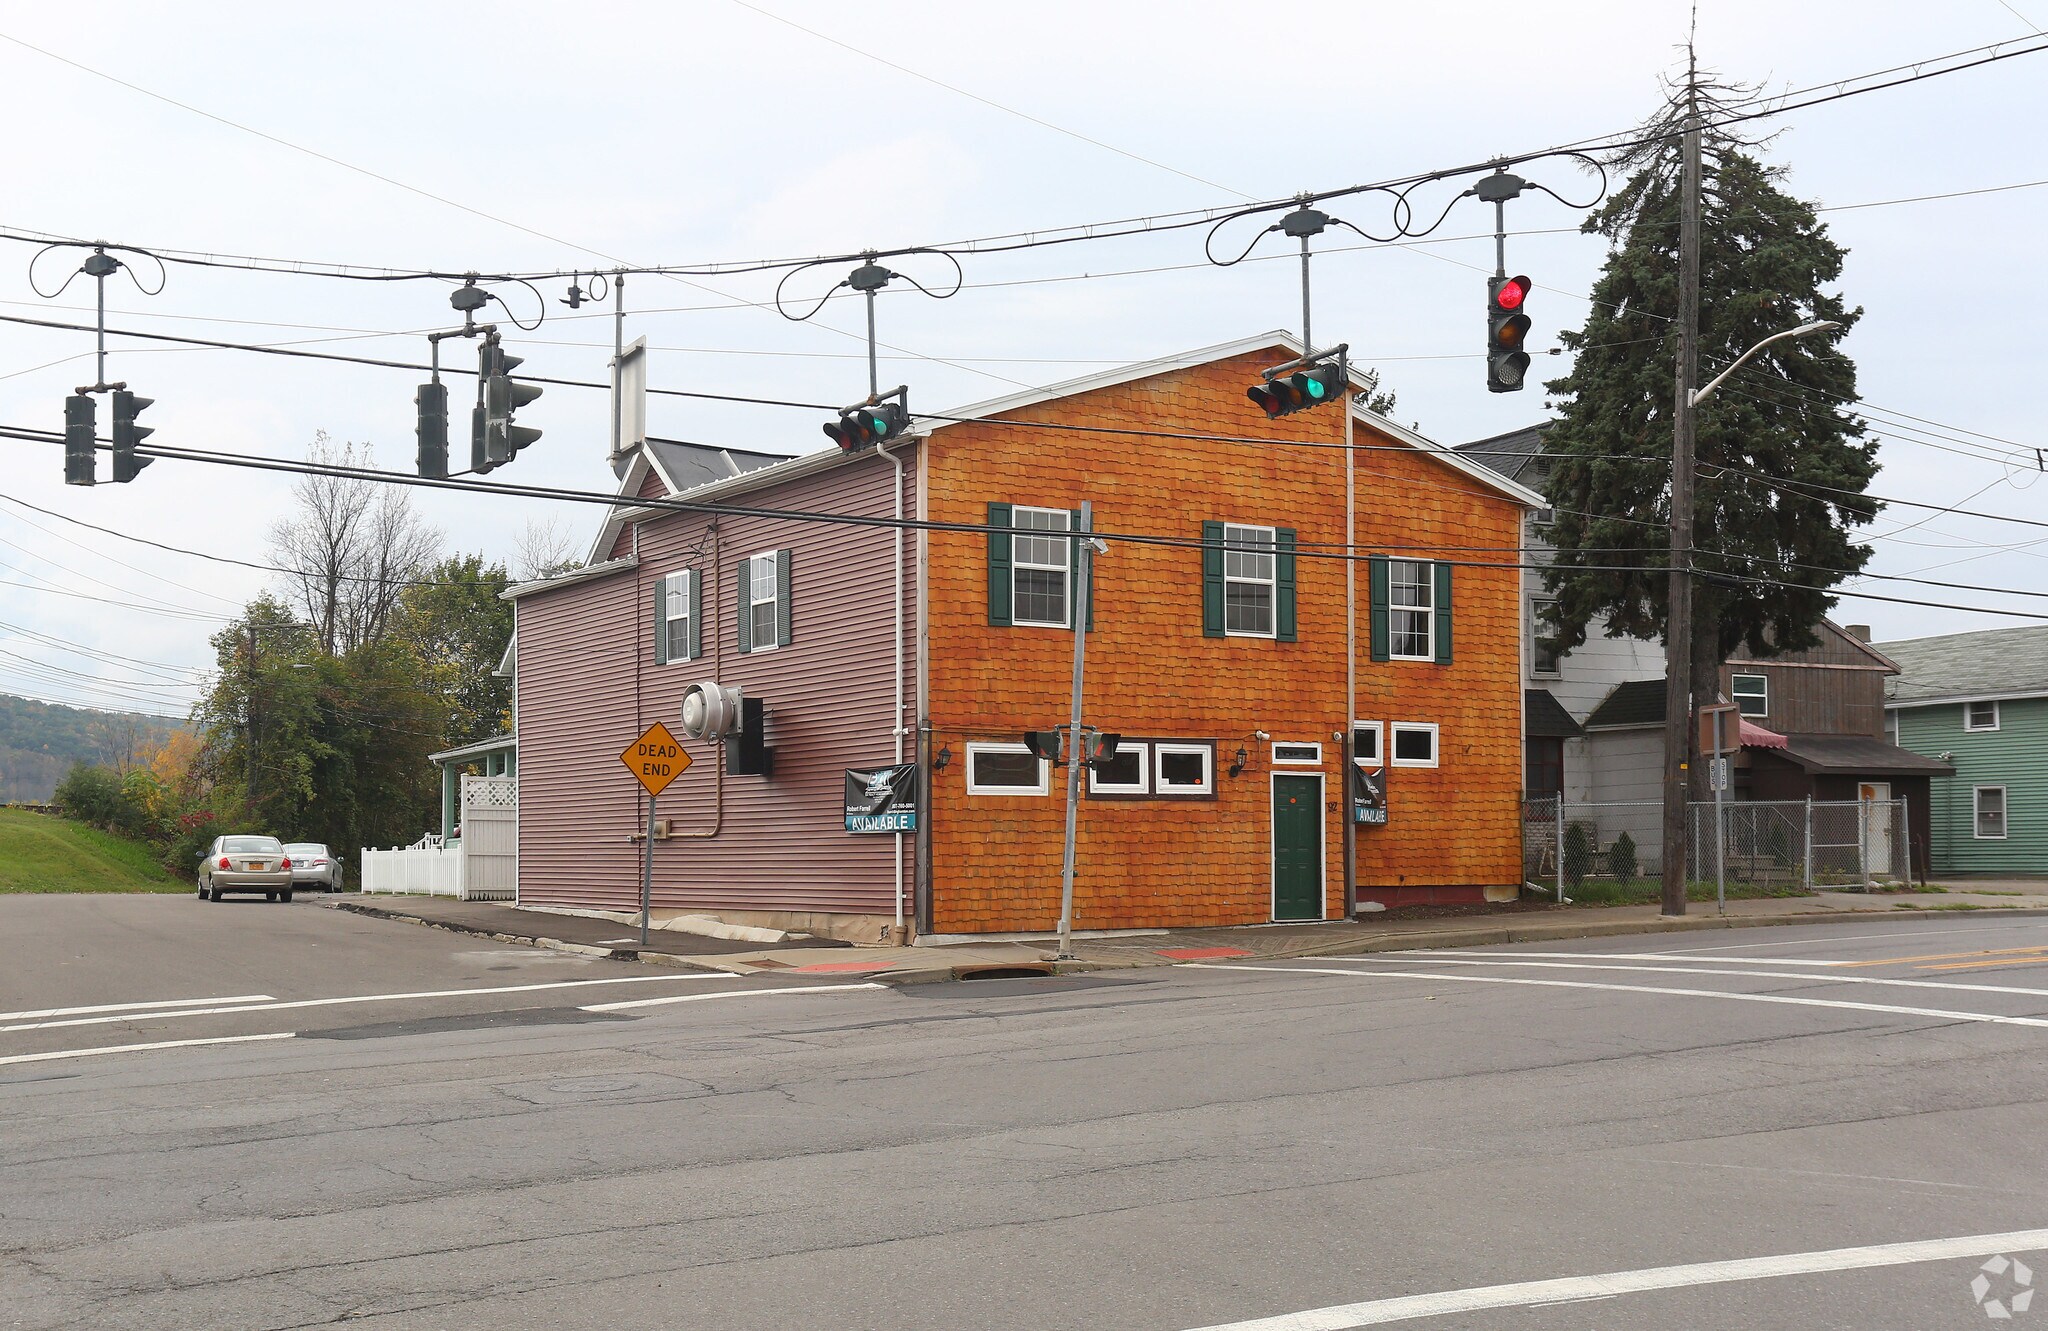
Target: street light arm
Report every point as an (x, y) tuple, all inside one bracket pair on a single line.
[(1699, 395)]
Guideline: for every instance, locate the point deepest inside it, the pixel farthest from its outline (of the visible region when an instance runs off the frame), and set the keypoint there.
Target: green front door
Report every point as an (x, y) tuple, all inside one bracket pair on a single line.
[(1297, 848)]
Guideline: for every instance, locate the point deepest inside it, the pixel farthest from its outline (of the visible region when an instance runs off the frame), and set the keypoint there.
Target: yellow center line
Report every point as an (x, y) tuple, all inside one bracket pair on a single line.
[(1983, 965), (2034, 953)]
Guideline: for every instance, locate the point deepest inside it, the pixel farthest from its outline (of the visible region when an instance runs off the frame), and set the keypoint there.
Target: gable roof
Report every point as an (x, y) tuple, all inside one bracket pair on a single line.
[(1544, 716), (1639, 702), (689, 468), (1277, 340), (1990, 663), (681, 466), (1509, 454)]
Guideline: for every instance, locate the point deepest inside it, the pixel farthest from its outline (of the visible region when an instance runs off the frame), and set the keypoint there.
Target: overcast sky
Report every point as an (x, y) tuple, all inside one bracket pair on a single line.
[(558, 136)]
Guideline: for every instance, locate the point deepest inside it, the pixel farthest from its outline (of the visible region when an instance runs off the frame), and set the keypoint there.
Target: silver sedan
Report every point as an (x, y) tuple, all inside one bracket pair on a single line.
[(245, 864), (313, 868)]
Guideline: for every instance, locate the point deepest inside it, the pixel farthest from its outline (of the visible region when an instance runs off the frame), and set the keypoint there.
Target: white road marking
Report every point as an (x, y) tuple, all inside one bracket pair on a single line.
[(729, 993), (132, 1007), (54, 1054), (1873, 936), (1621, 956), (1378, 1312), (369, 998), (1784, 999), (1814, 977)]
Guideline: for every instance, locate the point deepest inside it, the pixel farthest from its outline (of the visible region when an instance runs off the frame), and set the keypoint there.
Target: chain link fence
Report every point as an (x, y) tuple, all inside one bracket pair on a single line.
[(1613, 850)]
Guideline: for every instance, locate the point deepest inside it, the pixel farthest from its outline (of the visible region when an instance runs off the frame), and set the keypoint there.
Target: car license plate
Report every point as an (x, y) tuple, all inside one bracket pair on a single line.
[(256, 866)]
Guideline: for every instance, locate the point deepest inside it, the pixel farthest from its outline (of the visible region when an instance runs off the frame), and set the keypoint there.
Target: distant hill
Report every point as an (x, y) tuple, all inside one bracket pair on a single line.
[(44, 853), (40, 741)]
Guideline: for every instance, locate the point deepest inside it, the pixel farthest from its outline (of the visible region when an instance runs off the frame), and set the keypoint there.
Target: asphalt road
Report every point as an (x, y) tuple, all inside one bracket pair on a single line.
[(1407, 1139)]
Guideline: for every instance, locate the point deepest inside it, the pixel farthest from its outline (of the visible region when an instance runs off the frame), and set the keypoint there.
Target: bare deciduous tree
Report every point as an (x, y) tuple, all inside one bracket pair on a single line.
[(350, 545), (545, 549)]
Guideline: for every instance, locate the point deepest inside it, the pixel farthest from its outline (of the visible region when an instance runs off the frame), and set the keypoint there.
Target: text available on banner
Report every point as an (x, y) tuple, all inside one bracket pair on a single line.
[(881, 799)]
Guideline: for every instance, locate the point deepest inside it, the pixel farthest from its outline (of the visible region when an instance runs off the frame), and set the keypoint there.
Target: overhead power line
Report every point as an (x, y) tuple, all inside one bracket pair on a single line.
[(673, 504), (1776, 105)]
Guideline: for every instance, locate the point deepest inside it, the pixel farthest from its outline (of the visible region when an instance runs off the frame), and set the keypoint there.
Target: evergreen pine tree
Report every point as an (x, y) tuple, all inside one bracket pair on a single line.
[(1782, 462)]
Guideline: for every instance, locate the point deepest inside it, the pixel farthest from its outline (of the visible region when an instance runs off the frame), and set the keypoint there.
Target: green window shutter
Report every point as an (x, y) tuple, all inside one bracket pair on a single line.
[(782, 598), (661, 621), (1443, 613), (1212, 580), (998, 566), (696, 613), (743, 612), (1074, 568), (1380, 596), (1283, 583)]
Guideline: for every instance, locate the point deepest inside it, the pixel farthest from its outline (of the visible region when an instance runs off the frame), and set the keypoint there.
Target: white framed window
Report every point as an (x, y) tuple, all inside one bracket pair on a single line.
[(675, 615), (1411, 607), (1544, 657), (1039, 568), (762, 609), (1249, 581), (1128, 773), (1981, 715), (1891, 726), (1006, 769), (1183, 769), (1365, 743), (1297, 755), (1413, 743), (1751, 694), (1988, 804)]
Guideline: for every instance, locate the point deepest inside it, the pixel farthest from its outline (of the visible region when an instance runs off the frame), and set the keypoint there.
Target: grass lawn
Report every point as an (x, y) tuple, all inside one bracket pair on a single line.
[(42, 853)]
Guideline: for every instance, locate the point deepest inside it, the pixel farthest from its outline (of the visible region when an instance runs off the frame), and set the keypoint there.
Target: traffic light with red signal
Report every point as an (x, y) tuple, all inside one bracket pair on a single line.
[(1507, 330)]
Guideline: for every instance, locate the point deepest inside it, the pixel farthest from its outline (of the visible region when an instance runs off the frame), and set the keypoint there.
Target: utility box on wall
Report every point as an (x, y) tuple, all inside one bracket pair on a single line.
[(720, 712), (746, 749)]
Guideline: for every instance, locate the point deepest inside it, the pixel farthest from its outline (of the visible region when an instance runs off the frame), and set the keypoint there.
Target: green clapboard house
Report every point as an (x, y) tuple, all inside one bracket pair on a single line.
[(1980, 702)]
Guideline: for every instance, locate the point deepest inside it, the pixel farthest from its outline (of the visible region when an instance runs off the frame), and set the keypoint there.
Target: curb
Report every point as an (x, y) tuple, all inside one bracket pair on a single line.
[(524, 940), (1493, 935)]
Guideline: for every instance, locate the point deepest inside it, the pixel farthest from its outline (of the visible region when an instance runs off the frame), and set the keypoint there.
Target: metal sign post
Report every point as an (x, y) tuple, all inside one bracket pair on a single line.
[(655, 759), (1720, 737), (1075, 765)]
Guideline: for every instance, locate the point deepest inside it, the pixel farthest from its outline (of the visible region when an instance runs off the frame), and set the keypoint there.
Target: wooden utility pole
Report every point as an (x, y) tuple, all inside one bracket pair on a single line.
[(1678, 633)]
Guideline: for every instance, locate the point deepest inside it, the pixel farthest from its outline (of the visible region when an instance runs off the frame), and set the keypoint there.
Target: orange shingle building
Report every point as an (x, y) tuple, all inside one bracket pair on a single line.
[(1223, 668), (1217, 649)]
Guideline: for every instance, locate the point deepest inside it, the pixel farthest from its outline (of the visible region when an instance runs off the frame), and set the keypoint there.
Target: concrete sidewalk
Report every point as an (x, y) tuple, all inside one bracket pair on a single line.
[(1476, 926)]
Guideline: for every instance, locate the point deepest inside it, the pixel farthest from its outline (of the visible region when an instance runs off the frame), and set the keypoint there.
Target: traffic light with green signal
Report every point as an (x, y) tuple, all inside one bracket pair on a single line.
[(864, 427), (1310, 386)]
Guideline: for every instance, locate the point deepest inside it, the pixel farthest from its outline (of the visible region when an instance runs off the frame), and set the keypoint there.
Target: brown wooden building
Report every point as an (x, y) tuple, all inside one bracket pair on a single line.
[(1814, 728)]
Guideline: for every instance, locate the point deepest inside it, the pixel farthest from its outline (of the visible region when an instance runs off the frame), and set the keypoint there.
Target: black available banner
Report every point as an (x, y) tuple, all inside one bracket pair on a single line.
[(881, 799)]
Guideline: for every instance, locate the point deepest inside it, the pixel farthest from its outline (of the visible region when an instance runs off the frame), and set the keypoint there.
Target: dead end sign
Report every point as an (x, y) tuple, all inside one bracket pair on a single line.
[(655, 759)]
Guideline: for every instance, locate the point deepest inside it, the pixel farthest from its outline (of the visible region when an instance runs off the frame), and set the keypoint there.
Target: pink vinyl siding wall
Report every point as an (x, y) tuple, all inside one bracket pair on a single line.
[(588, 685)]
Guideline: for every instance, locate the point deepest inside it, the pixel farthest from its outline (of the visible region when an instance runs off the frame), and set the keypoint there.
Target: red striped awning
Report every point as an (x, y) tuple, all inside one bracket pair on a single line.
[(1756, 737)]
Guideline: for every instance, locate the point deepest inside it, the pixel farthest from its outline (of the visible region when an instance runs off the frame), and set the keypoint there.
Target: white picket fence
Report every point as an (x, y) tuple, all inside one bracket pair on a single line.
[(482, 866), (433, 870)]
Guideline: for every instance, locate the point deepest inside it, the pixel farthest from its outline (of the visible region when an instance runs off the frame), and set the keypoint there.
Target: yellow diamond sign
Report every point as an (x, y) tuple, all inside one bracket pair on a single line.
[(655, 759)]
